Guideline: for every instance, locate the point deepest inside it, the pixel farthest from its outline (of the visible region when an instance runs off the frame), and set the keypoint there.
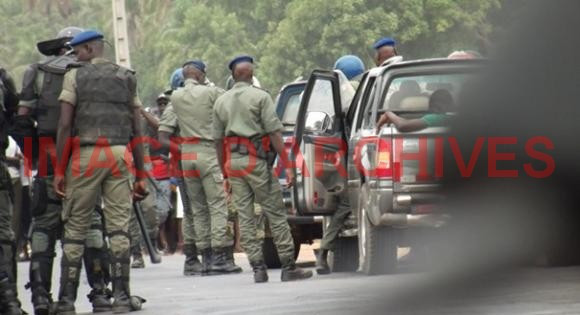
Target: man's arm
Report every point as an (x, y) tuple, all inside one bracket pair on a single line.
[(150, 119), (62, 137), (402, 124)]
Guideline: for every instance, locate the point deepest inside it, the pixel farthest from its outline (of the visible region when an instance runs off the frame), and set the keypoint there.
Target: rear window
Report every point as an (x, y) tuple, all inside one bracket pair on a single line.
[(424, 93)]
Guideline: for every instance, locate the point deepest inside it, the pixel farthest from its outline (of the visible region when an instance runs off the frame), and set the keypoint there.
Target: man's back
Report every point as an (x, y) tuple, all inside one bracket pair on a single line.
[(193, 105), (246, 111)]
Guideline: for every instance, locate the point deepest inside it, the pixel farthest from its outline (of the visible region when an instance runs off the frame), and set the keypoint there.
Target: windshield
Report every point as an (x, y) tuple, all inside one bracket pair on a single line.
[(425, 93)]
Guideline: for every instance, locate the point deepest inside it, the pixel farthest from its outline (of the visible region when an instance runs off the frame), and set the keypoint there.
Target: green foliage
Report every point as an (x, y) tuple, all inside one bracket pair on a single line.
[(289, 38)]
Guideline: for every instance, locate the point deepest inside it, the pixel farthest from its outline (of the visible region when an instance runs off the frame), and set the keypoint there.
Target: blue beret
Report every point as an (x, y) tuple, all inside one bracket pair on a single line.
[(196, 63), (176, 80), (85, 36), (385, 41), (240, 59), (350, 65)]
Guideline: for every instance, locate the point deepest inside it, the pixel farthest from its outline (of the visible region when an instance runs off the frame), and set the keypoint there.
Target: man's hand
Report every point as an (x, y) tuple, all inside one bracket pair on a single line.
[(383, 121), (289, 178), (140, 190), (58, 184)]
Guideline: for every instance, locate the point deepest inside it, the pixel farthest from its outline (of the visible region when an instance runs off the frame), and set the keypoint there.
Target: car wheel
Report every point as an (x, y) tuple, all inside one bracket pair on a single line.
[(377, 244), (345, 256)]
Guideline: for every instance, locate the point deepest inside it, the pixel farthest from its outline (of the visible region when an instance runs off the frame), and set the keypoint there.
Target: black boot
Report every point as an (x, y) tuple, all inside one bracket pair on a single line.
[(121, 292), (322, 267), (40, 297), (192, 266), (66, 298), (292, 273), (260, 271), (220, 263), (96, 265), (230, 257), (9, 303), (206, 258), (69, 282)]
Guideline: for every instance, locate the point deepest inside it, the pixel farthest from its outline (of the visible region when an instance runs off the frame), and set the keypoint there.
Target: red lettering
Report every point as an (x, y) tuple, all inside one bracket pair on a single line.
[(438, 157), (47, 149), (320, 155), (466, 171), (180, 156), (540, 156), (493, 156), (110, 162), (420, 156), (357, 158)]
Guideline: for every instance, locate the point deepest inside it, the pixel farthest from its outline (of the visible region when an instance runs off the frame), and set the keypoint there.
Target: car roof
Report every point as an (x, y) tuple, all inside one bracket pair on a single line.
[(426, 62)]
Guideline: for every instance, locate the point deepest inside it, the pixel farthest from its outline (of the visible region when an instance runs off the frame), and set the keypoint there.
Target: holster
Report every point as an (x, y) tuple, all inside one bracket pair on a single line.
[(262, 145)]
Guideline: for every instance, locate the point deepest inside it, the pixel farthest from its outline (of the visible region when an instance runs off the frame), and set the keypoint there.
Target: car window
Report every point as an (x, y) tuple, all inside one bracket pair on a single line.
[(321, 99), (416, 93), (291, 111)]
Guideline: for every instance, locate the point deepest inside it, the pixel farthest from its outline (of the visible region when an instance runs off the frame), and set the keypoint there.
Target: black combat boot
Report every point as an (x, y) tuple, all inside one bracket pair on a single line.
[(67, 297), (206, 257), (192, 266), (9, 303), (260, 271), (121, 292), (138, 262), (221, 264), (97, 266), (230, 257), (292, 273), (40, 297), (322, 267)]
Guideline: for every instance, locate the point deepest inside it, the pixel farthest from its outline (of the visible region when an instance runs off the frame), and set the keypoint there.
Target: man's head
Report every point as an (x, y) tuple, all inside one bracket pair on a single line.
[(242, 68), (194, 69), (88, 45), (384, 49), (464, 54), (441, 101), (162, 101), (58, 46), (350, 65)]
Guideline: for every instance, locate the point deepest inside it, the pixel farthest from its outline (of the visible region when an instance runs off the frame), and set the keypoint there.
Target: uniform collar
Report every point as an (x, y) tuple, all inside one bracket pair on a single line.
[(241, 84), (191, 81)]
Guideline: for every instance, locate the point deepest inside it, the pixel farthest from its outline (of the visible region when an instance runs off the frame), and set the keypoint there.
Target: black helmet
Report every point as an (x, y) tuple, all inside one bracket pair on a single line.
[(53, 46)]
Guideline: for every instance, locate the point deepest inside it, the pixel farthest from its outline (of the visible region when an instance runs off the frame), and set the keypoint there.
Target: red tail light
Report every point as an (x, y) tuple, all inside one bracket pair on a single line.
[(384, 162)]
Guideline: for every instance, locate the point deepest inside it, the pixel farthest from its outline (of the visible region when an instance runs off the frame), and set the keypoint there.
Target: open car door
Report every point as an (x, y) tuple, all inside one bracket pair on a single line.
[(320, 147)]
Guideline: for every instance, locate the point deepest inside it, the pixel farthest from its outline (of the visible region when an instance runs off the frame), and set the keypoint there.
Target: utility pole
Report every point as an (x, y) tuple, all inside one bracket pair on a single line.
[(121, 35)]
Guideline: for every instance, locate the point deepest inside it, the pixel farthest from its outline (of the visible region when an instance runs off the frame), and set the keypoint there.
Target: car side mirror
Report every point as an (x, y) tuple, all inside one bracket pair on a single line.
[(317, 122)]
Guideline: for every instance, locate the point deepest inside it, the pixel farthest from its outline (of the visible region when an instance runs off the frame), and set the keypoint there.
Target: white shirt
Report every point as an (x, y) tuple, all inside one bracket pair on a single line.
[(13, 151)]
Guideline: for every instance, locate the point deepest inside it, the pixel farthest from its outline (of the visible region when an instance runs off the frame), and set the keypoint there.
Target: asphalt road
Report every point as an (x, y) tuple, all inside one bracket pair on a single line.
[(530, 291)]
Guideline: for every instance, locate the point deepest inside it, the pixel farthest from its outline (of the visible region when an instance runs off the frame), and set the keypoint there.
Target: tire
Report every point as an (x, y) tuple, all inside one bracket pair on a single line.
[(345, 256), (270, 253), (377, 244)]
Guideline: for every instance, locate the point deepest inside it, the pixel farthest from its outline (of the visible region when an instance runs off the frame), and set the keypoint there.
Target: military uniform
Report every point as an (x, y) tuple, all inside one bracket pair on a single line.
[(193, 106), (247, 112), (9, 303), (104, 97), (41, 86), (150, 211)]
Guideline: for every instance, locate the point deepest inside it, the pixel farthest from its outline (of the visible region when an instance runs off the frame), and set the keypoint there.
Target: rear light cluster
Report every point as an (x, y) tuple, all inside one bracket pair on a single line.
[(384, 165)]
